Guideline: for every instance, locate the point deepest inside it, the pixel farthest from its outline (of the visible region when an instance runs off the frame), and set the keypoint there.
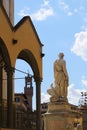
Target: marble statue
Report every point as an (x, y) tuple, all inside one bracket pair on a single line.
[(58, 90)]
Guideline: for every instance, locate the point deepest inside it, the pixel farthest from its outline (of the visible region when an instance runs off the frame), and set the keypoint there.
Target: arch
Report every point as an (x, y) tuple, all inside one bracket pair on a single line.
[(30, 59), (14, 47), (6, 66), (4, 53)]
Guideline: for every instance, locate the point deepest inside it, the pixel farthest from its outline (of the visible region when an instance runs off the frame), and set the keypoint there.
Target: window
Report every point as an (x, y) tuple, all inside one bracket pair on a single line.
[(17, 99)]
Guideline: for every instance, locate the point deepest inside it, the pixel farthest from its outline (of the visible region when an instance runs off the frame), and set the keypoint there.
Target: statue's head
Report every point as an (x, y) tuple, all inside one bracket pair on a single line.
[(61, 55)]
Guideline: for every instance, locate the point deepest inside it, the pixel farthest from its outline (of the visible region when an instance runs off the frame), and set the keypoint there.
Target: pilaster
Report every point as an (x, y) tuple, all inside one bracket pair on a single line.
[(9, 71), (1, 96), (38, 102)]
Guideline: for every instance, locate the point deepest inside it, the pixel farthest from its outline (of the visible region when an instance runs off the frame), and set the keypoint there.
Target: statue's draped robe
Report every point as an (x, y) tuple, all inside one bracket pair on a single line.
[(60, 77), (59, 89)]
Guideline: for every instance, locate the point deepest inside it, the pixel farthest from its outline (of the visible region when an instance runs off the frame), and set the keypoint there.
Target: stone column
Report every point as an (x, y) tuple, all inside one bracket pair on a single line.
[(38, 103), (1, 96), (9, 71)]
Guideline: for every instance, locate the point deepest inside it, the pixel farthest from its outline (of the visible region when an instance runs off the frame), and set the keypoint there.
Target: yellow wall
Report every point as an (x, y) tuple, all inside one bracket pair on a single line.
[(26, 39)]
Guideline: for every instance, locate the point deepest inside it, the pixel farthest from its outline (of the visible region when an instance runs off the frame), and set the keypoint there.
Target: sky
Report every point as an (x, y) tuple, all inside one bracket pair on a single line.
[(62, 27)]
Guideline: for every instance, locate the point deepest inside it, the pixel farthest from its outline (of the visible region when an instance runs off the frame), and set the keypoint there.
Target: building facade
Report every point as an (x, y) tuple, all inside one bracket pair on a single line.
[(23, 106), (17, 43)]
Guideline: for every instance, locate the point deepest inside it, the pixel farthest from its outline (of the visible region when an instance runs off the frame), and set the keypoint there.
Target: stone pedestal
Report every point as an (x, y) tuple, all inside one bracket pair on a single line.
[(62, 116)]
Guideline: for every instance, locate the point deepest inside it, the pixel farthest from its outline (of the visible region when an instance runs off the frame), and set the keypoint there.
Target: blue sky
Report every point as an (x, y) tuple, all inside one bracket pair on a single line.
[(62, 27)]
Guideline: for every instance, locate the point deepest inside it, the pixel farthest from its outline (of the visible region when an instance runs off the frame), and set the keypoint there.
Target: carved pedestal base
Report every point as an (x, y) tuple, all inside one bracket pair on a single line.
[(62, 116), (58, 99)]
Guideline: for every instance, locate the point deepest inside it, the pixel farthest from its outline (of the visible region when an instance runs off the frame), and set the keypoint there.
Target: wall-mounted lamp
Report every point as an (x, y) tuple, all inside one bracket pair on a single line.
[(14, 41), (42, 55)]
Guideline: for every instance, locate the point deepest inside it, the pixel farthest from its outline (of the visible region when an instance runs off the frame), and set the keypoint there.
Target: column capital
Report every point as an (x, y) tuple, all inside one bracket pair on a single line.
[(38, 79), (8, 69)]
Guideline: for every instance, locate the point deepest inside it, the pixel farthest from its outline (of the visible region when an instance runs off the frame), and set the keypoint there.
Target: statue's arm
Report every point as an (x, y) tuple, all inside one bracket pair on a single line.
[(65, 70), (55, 66)]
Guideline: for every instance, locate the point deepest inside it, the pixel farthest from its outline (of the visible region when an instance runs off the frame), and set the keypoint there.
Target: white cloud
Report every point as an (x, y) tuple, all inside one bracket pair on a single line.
[(75, 10), (80, 45), (71, 10), (24, 12), (84, 28), (63, 5), (74, 95), (85, 18), (66, 8), (42, 14), (84, 82), (46, 3), (69, 13), (45, 98)]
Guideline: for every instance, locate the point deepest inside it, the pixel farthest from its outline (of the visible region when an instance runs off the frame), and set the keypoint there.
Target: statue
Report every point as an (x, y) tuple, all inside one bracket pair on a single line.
[(58, 90)]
